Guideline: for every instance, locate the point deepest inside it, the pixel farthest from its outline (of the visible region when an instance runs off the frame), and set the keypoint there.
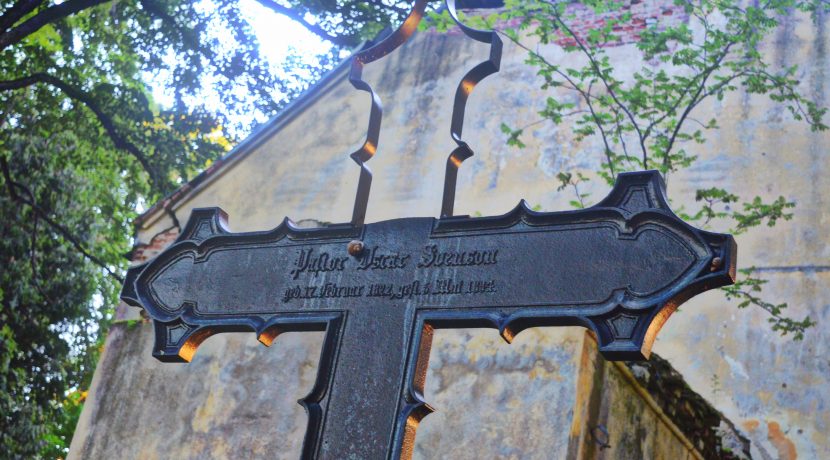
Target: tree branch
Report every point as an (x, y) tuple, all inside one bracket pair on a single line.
[(617, 118), (696, 98), (345, 42), (107, 122), (63, 231), (155, 9), (51, 14), (602, 132), (402, 12), (607, 85), (33, 234), (586, 95), (17, 11)]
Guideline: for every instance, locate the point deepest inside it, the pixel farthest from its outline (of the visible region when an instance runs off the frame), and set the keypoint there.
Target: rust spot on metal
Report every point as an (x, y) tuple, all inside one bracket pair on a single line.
[(268, 336), (188, 349)]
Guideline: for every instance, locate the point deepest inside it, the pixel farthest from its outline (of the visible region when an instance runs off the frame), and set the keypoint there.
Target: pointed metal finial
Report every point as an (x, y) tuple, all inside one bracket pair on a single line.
[(465, 87), (370, 145)]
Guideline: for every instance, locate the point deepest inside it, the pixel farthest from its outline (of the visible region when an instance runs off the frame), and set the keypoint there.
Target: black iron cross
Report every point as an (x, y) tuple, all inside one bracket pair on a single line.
[(619, 268), (379, 290)]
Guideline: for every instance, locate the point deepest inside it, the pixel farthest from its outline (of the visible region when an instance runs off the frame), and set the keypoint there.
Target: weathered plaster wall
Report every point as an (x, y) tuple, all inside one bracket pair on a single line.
[(237, 399), (776, 389), (541, 397)]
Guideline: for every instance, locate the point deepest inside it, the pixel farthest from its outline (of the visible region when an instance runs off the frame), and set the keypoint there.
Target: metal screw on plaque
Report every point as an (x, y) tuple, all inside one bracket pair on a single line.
[(716, 264), (355, 248), (620, 268)]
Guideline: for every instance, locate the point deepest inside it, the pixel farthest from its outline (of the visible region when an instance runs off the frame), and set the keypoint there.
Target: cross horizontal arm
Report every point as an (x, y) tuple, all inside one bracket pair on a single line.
[(628, 257)]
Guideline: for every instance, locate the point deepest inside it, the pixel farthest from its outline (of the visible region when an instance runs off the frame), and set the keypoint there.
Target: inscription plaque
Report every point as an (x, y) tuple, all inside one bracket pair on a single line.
[(619, 268)]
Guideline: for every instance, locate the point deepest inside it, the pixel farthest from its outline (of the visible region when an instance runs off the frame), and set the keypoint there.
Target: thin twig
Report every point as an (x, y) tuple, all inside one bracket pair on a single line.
[(120, 142), (586, 95), (63, 231), (607, 85)]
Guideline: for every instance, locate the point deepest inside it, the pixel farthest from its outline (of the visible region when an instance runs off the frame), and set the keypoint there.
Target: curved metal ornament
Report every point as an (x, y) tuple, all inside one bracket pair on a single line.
[(370, 145), (465, 87)]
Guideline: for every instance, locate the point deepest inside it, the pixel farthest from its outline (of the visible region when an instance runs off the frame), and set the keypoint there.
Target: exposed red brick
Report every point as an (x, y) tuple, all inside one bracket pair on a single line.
[(583, 19), (144, 252)]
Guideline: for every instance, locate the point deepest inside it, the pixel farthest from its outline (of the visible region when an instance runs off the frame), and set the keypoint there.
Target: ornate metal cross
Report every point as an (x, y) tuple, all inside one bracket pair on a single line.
[(379, 290)]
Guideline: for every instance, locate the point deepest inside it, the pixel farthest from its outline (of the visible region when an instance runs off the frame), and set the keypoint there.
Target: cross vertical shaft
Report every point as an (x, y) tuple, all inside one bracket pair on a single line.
[(367, 376)]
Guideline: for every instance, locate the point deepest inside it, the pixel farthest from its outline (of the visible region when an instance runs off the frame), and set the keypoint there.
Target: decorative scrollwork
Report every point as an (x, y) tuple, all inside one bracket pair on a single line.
[(465, 87), (462, 93), (370, 145)]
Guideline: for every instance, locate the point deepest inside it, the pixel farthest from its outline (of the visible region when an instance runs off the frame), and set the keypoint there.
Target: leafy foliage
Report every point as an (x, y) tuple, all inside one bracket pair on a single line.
[(646, 120), (567, 180), (747, 291), (82, 146), (47, 284)]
